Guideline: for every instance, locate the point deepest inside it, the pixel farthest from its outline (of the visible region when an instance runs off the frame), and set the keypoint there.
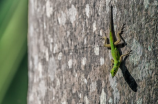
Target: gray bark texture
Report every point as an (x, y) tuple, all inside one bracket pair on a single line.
[(68, 63)]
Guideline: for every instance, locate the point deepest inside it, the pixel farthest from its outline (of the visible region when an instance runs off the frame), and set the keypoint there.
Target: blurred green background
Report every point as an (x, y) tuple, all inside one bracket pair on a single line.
[(13, 51)]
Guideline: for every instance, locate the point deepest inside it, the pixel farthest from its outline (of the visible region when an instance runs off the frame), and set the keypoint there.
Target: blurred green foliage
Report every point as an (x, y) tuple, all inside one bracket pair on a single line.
[(13, 51)]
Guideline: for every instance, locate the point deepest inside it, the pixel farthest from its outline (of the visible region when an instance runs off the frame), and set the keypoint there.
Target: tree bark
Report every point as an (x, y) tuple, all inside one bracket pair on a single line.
[(68, 63)]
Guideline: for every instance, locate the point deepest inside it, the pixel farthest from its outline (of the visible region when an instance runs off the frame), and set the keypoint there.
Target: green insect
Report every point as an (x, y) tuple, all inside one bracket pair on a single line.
[(117, 59)]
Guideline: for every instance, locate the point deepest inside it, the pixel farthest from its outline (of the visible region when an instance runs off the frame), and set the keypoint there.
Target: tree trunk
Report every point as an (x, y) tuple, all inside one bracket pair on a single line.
[(68, 63)]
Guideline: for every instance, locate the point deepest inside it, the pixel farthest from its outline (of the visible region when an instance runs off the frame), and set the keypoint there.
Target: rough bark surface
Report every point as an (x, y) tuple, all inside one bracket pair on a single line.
[(68, 63)]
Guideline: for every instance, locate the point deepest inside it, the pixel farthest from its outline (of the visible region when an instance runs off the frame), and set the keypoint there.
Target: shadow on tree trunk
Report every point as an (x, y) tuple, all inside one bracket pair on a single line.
[(127, 76)]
